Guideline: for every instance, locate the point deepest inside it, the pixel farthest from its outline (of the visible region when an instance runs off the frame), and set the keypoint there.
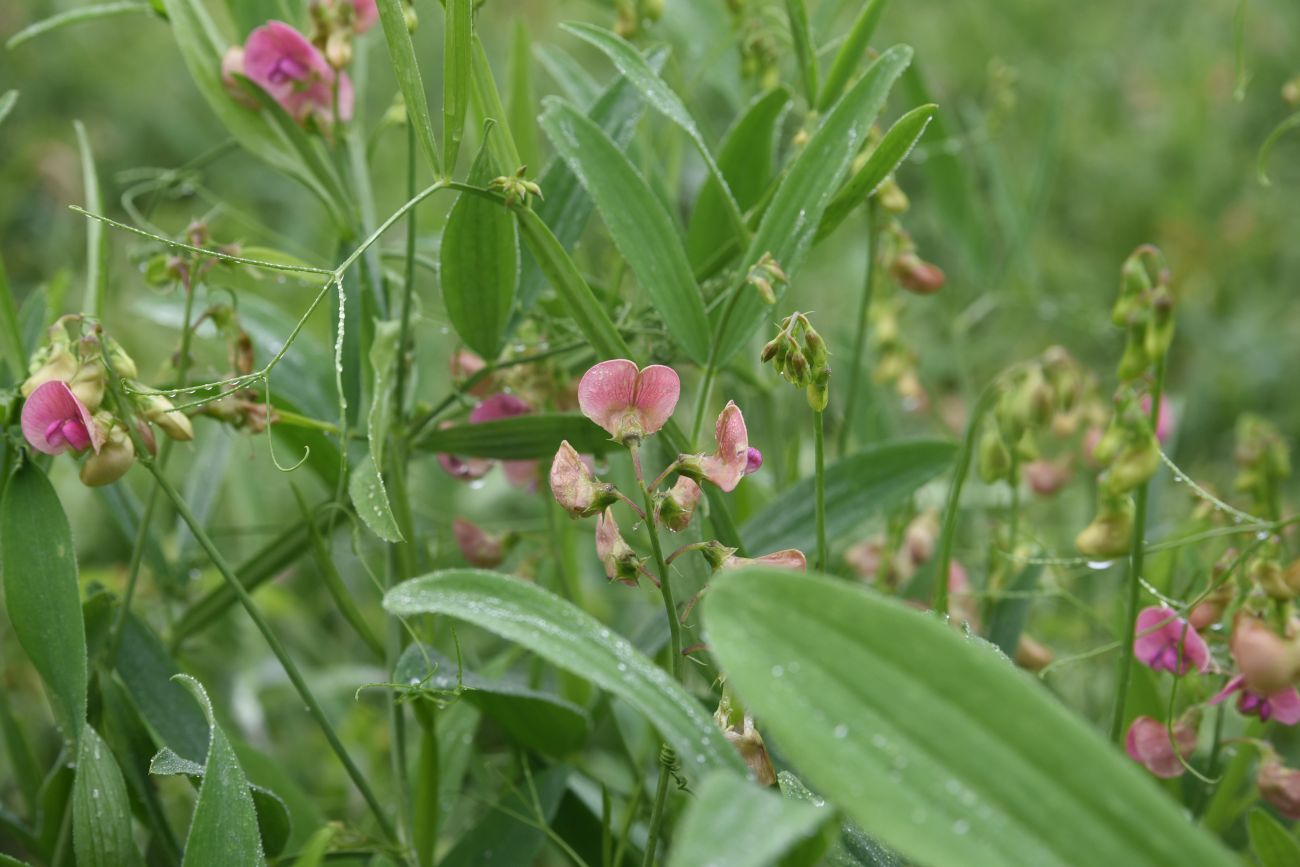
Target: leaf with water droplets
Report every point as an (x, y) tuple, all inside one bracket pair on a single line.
[(567, 636), (366, 488), (949, 755), (101, 813)]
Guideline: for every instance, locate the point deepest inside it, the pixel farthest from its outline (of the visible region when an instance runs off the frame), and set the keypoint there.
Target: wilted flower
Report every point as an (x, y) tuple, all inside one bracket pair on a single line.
[(620, 561), (54, 420), (1149, 745), (678, 506), (629, 403), (1167, 642), (285, 64), (575, 487), (790, 558), (477, 546), (1280, 786), (111, 461)]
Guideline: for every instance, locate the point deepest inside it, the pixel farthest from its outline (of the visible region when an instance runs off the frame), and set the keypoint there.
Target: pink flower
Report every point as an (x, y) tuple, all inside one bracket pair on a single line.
[(629, 403), (1283, 706), (575, 487), (478, 547), (730, 462), (1148, 744), (367, 13), (1280, 786), (54, 421), (1267, 662), (464, 364), (492, 408), (790, 558), (1165, 419), (1046, 477), (620, 561), (1166, 642), (285, 64)]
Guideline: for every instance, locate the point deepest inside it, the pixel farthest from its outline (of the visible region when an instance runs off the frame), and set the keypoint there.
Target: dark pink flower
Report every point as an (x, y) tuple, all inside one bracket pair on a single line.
[(54, 421), (1283, 706), (575, 487), (730, 461), (629, 403), (1148, 744), (753, 461), (520, 474), (285, 64), (465, 469), (1167, 642)]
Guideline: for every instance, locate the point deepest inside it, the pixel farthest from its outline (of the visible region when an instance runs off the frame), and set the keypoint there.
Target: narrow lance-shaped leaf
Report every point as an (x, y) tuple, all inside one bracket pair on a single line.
[(370, 499), (641, 228), (805, 51), (535, 435), (402, 53), (40, 579), (488, 105), (96, 249), (568, 637), (932, 741), (1272, 844), (851, 52), (11, 335), (458, 26), (75, 16), (7, 102), (223, 830), (101, 812), (790, 223), (521, 98), (887, 156), (733, 821), (480, 262)]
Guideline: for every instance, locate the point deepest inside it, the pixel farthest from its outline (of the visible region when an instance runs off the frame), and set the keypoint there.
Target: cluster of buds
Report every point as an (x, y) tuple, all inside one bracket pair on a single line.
[(763, 274), (334, 23), (1145, 310), (65, 409), (165, 268), (799, 354), (760, 53), (632, 404), (896, 362), (632, 15), (1263, 463), (516, 188)]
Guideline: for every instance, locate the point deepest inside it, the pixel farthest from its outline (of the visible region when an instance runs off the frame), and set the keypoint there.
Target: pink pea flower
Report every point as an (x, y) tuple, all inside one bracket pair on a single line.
[(1267, 662), (629, 403), (1164, 420), (465, 469), (790, 558), (1283, 706), (520, 474), (1166, 642), (285, 64), (1148, 744), (1280, 786), (53, 421), (620, 561), (367, 13), (478, 547), (730, 462)]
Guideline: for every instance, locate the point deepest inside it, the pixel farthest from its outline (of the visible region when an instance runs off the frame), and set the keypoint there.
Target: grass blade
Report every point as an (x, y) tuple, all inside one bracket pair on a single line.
[(75, 16), (805, 52), (851, 51), (402, 54)]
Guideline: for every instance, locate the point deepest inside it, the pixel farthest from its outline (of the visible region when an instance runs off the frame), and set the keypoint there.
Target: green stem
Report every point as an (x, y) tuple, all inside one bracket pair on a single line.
[(656, 816), (1013, 479), (960, 471), (290, 668), (1137, 550), (819, 468), (857, 361)]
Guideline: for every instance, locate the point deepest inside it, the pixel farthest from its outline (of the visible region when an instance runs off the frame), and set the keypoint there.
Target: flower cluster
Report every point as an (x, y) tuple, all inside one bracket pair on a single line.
[(805, 362), (65, 408)]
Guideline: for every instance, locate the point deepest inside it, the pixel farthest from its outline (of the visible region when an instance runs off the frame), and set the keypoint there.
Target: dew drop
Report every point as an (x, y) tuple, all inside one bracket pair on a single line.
[(778, 670), (960, 827), (1098, 565), (841, 731)]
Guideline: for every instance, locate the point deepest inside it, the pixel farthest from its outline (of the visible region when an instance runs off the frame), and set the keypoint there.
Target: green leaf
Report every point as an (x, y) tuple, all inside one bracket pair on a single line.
[(402, 54), (509, 833), (558, 269), (854, 848), (659, 95), (313, 854), (932, 742), (7, 102), (575, 82), (880, 164), (148, 671), (74, 16), (1008, 613), (96, 249), (536, 435), (874, 479), (805, 51), (479, 256), (790, 223), (370, 499), (223, 830), (852, 50), (40, 579), (733, 821), (747, 156), (458, 29), (11, 335), (1271, 843), (101, 813), (488, 105), (568, 637), (520, 108), (641, 227)]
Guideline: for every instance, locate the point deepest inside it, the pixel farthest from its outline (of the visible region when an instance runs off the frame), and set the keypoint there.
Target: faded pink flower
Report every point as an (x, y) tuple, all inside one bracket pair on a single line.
[(1283, 706), (367, 13), (1280, 786), (478, 547), (520, 474), (1167, 642), (790, 558), (866, 558), (465, 469), (679, 505), (53, 421), (731, 460), (1148, 744), (463, 364), (285, 64), (629, 403), (620, 561), (575, 487)]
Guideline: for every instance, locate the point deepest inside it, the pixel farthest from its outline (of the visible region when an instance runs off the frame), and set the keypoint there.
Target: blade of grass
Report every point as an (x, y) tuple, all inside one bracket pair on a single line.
[(402, 54)]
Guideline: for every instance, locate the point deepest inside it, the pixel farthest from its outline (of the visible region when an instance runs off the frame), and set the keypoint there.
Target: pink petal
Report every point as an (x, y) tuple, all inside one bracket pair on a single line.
[(657, 390), (53, 407), (1148, 744), (753, 461), (498, 406), (1233, 685), (1286, 706), (367, 15), (607, 391), (286, 65), (791, 558), (347, 98), (1167, 642), (726, 466), (521, 474)]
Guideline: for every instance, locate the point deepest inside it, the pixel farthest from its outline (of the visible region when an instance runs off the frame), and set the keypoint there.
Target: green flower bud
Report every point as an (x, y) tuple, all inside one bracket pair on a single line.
[(993, 458)]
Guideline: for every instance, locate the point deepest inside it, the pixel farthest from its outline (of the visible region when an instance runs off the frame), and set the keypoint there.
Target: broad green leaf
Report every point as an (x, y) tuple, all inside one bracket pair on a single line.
[(746, 157), (1271, 843), (934, 743), (537, 435), (851, 52), (733, 821), (148, 671), (511, 832), (101, 813), (790, 222), (874, 479), (560, 271), (479, 255), (659, 95), (7, 102), (457, 30), (11, 335), (568, 637), (641, 227), (370, 499), (96, 249), (40, 581), (880, 164), (1008, 613), (26, 774), (402, 54), (805, 51), (567, 207), (223, 830), (537, 720), (854, 848), (522, 101), (75, 16)]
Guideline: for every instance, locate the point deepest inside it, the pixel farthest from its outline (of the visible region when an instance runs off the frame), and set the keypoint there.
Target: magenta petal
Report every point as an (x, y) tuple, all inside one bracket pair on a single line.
[(607, 391), (1233, 685), (498, 406), (657, 390), (1148, 744), (753, 461), (53, 420), (285, 64), (367, 14), (1286, 706), (1166, 642), (728, 465)]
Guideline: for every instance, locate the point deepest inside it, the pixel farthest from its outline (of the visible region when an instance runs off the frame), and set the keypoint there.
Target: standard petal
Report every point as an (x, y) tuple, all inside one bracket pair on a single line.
[(53, 407), (657, 390), (1286, 706), (606, 392)]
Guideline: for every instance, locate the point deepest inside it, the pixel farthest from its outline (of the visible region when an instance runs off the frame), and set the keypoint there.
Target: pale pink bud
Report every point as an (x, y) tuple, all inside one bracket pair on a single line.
[(730, 460), (620, 561), (575, 487), (917, 275), (791, 558), (866, 557), (1280, 786), (1148, 744), (111, 461), (477, 546), (679, 506), (463, 364), (629, 403), (1268, 662), (54, 420), (921, 535), (1045, 477), (367, 13)]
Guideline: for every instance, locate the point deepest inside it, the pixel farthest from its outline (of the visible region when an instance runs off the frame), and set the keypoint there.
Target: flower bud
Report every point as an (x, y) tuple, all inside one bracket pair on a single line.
[(620, 561), (123, 364), (89, 383), (1134, 466), (113, 459), (55, 363), (916, 275), (574, 486), (478, 547), (1268, 662), (678, 506), (1110, 533), (1280, 786), (158, 409), (738, 726), (1148, 744), (1268, 575), (1046, 477), (716, 554), (993, 459), (1032, 654), (1208, 611), (1135, 360), (891, 196), (819, 390), (338, 49)]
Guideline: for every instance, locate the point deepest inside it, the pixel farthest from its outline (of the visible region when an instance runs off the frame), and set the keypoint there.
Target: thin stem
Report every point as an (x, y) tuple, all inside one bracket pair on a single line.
[(819, 468), (857, 361), (1013, 479), (657, 814), (1135, 576), (290, 668), (959, 474)]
